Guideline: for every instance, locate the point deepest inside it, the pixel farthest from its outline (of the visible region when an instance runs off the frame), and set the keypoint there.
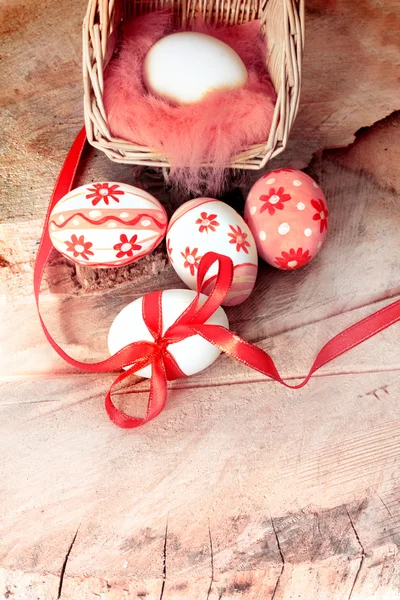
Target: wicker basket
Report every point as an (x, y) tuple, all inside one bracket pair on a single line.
[(283, 24)]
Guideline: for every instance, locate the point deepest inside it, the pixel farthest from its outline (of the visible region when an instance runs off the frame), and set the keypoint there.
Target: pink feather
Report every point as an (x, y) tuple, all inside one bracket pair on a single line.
[(211, 131)]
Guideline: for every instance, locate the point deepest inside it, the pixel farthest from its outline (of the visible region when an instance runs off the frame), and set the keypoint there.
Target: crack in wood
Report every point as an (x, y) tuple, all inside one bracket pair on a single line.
[(164, 561), (362, 554), (390, 514), (318, 525), (212, 562), (33, 377), (375, 392), (64, 565), (282, 559), (259, 380)]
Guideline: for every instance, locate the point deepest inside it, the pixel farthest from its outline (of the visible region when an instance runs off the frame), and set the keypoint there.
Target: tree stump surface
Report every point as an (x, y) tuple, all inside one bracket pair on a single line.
[(241, 488)]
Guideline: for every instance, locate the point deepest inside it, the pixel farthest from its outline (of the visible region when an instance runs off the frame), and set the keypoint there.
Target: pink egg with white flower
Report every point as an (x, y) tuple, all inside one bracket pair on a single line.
[(107, 224), (287, 213), (208, 225)]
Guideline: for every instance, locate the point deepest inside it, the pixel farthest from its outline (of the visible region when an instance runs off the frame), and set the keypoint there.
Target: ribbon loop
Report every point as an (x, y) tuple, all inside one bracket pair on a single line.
[(196, 314), (156, 401)]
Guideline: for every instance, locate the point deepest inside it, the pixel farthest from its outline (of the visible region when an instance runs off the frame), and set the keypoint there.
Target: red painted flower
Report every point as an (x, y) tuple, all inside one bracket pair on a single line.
[(274, 200), (293, 259), (169, 250), (79, 247), (238, 237), (126, 247), (207, 222), (191, 259), (321, 215), (103, 191)]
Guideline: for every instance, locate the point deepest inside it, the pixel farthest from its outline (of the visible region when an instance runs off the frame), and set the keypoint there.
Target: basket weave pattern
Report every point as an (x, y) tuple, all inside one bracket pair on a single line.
[(282, 23)]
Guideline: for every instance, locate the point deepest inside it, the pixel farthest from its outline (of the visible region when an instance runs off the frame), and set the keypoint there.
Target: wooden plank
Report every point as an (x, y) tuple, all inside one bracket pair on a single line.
[(311, 463), (272, 519), (241, 488)]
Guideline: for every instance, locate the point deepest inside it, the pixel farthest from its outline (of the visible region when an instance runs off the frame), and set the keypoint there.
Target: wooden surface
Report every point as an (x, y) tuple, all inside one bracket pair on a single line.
[(241, 488)]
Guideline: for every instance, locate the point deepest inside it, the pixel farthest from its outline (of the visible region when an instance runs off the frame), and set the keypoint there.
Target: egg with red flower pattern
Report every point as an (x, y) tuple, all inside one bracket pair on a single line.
[(287, 213), (208, 225), (107, 224)]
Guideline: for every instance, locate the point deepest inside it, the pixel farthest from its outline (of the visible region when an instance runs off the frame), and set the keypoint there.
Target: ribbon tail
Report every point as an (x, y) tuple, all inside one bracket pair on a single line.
[(259, 360), (156, 400), (353, 336)]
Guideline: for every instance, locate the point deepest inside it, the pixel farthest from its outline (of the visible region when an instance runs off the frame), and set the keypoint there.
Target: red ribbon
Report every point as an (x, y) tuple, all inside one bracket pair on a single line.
[(192, 321)]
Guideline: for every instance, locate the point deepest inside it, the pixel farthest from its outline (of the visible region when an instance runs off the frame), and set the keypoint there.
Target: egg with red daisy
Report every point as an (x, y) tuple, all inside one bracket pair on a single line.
[(287, 213), (107, 224), (208, 225)]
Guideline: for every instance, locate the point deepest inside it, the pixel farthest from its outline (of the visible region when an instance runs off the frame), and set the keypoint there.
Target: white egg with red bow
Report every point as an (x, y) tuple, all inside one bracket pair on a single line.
[(192, 354), (287, 213), (208, 225), (107, 224)]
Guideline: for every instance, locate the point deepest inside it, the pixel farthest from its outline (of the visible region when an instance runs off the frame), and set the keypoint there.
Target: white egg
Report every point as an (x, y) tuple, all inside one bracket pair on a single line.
[(184, 67), (208, 225), (192, 354)]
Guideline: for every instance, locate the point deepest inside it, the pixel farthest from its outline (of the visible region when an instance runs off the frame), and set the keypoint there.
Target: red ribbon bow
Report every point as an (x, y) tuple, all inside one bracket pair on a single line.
[(191, 322)]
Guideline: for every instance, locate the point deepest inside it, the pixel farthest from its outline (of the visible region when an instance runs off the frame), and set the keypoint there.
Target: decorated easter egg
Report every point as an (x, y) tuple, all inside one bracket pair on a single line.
[(192, 354), (184, 67), (286, 211), (107, 224), (205, 225)]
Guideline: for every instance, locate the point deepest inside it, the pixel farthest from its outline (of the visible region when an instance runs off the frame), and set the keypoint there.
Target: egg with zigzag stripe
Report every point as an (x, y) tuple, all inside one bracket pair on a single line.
[(107, 224)]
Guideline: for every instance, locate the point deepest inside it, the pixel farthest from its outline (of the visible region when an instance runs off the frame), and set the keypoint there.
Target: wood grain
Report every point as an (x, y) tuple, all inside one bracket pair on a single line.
[(241, 488), (289, 494), (350, 74)]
